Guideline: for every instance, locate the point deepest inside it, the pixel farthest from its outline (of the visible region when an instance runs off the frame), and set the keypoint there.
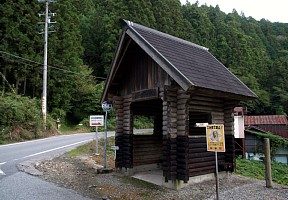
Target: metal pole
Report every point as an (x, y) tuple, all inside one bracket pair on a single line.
[(217, 178), (44, 95), (96, 141), (105, 142)]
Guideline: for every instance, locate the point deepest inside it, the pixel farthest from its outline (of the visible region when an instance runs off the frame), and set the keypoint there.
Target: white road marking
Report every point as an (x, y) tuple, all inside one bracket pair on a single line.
[(42, 152), (5, 145), (1, 172)]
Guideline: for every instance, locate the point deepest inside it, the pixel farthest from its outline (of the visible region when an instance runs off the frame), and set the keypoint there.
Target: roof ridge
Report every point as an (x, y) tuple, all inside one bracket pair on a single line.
[(130, 23)]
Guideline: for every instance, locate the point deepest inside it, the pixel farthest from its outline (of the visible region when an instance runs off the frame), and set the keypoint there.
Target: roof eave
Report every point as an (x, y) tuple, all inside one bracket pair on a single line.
[(113, 69)]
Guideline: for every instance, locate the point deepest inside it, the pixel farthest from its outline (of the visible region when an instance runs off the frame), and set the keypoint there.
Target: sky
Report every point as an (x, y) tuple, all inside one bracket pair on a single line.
[(274, 11)]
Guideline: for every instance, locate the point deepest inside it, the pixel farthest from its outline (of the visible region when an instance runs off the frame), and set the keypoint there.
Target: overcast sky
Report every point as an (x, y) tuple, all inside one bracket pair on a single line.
[(272, 10)]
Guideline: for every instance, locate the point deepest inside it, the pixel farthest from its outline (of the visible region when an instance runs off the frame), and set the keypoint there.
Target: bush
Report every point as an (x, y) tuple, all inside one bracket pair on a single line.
[(20, 118), (143, 122), (256, 169)]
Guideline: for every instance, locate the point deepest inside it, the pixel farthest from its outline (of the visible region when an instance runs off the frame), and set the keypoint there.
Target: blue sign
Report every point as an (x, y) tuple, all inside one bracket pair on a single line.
[(106, 106)]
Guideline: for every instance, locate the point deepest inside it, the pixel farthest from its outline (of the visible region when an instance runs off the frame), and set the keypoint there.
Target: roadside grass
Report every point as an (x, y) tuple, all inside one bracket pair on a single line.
[(69, 129), (256, 169), (81, 150), (90, 148)]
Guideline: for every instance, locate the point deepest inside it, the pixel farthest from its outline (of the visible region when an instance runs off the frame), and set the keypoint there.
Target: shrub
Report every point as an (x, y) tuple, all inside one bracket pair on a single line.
[(256, 169), (20, 118)]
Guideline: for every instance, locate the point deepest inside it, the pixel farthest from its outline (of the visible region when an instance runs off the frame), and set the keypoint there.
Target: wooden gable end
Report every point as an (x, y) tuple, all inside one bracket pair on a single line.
[(139, 73)]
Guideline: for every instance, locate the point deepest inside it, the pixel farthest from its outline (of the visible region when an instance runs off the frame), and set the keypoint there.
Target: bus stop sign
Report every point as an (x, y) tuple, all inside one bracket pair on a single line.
[(106, 106)]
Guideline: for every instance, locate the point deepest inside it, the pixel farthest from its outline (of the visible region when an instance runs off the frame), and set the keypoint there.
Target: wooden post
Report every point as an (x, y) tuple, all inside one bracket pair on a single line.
[(268, 174)]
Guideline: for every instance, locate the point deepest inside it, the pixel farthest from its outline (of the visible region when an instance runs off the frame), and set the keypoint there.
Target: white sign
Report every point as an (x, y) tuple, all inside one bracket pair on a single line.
[(239, 127), (115, 148), (96, 120), (201, 124)]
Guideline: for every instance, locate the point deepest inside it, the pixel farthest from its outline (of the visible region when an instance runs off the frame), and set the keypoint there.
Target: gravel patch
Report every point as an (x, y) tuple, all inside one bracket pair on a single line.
[(80, 175)]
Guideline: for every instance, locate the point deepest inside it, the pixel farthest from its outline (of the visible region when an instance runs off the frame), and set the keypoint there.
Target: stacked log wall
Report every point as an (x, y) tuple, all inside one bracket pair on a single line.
[(127, 140), (118, 106), (200, 161), (147, 149), (170, 134), (182, 135)]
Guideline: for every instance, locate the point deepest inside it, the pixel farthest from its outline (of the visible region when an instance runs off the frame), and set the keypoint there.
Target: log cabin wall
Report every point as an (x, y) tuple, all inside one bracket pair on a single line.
[(182, 135), (118, 106), (199, 160), (147, 150), (127, 137), (169, 123), (141, 77)]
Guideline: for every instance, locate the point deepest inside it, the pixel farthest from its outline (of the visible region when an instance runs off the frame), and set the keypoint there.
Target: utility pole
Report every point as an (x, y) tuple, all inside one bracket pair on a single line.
[(46, 27)]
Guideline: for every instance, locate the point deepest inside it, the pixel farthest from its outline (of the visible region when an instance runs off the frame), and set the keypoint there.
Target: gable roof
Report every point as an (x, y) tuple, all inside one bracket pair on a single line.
[(189, 64), (266, 119)]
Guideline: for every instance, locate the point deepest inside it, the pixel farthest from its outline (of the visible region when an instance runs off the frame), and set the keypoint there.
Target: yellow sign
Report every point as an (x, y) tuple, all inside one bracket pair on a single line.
[(215, 138)]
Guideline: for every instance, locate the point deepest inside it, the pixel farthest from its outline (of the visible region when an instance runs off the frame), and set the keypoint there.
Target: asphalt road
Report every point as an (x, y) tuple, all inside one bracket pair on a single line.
[(15, 184)]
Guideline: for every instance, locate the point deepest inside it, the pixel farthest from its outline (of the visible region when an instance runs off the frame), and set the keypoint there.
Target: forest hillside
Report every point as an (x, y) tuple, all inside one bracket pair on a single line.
[(83, 41)]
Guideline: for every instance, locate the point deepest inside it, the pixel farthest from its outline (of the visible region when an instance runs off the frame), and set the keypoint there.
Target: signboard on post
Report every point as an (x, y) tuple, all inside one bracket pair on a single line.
[(96, 120), (106, 106), (215, 138)]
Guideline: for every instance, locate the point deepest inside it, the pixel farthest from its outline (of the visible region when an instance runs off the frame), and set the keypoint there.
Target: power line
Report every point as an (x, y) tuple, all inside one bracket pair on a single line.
[(52, 67), (12, 60)]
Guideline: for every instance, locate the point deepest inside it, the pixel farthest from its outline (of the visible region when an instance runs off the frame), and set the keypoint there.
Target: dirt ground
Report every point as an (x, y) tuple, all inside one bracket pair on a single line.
[(80, 174)]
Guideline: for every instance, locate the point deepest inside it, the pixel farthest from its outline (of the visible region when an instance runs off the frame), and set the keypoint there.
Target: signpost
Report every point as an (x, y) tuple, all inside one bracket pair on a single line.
[(215, 138), (106, 106), (96, 120)]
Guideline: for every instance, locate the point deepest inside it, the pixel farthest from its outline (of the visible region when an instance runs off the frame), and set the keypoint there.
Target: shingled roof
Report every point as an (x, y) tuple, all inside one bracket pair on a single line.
[(189, 64)]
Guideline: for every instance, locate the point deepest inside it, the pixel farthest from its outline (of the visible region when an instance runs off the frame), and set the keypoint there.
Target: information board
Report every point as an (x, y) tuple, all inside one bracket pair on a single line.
[(96, 120), (215, 138)]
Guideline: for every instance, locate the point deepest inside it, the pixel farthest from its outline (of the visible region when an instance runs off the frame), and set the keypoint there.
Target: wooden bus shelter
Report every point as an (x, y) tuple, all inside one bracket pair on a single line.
[(178, 84)]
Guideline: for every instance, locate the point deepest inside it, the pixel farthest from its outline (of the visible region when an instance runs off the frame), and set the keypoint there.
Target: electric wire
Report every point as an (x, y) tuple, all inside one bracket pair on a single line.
[(49, 66)]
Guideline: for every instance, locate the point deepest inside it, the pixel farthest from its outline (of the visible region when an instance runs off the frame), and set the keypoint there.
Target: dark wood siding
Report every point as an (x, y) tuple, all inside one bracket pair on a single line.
[(147, 149), (140, 72), (201, 161), (198, 117), (169, 164)]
